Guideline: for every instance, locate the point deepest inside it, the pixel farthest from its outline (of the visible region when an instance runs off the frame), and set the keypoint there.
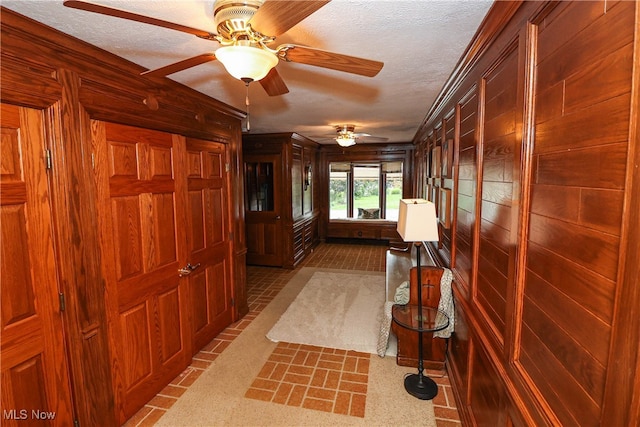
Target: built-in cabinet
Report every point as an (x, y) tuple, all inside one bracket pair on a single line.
[(531, 156), (280, 198), (122, 217)]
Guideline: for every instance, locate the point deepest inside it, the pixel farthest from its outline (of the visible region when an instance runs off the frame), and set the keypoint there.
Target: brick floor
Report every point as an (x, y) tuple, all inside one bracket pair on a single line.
[(319, 378)]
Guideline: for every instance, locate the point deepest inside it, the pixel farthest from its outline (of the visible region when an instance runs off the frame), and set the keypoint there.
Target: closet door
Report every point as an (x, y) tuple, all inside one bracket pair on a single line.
[(141, 215), (35, 378), (210, 290)]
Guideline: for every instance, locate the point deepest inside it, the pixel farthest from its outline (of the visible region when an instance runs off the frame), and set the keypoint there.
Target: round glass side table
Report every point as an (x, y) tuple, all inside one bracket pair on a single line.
[(420, 319)]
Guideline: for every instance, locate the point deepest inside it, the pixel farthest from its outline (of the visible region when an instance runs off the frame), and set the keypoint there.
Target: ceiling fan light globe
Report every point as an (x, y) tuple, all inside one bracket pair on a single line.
[(246, 62), (345, 141)]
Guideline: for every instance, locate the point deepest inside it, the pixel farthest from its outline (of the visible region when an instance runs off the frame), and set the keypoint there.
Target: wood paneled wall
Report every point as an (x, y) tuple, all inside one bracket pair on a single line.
[(543, 114), (67, 90)]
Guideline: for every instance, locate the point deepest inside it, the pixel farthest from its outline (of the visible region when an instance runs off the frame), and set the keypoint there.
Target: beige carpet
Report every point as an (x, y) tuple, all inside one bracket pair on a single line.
[(217, 396), (335, 310)]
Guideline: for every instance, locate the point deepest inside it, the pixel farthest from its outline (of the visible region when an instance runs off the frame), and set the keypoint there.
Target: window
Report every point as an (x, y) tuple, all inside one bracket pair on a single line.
[(366, 190), (338, 193), (392, 173), (259, 186)]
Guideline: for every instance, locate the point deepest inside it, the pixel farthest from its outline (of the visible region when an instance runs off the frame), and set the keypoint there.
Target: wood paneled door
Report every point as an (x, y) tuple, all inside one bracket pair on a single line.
[(35, 374), (164, 219), (141, 203), (209, 270), (263, 209)]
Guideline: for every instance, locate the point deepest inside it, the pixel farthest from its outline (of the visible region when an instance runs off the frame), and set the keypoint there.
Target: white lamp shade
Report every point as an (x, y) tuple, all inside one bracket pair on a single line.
[(246, 62), (417, 221), (345, 141)]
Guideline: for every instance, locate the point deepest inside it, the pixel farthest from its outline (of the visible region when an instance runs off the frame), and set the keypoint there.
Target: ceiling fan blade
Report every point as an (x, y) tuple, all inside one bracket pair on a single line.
[(273, 84), (278, 16), (104, 10), (334, 61), (373, 138), (179, 66)]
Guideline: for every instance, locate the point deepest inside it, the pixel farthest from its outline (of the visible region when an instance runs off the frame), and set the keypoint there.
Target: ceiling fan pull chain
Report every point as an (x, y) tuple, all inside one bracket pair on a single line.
[(246, 102)]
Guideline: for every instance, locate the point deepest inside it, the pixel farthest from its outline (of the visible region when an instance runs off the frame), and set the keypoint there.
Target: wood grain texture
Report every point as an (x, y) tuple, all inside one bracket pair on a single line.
[(566, 139), (112, 88), (180, 65), (499, 103), (73, 81), (571, 133), (293, 235), (460, 345), (623, 374), (486, 394), (274, 18), (33, 362), (143, 246), (210, 286), (334, 61), (273, 83), (20, 80), (78, 255), (119, 13)]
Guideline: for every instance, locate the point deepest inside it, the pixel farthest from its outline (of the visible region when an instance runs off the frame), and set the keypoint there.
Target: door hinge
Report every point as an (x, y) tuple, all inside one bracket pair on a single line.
[(76, 423), (227, 167), (48, 159), (231, 236), (233, 302), (63, 304)]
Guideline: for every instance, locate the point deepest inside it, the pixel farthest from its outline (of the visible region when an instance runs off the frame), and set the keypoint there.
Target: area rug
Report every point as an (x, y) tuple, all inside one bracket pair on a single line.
[(218, 396), (335, 310)]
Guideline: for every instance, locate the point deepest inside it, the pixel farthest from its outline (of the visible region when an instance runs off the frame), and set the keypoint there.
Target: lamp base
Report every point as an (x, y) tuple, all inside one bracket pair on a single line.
[(425, 391)]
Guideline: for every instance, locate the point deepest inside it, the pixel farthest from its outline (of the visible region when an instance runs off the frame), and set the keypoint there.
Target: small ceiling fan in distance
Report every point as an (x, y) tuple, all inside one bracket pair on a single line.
[(245, 31), (346, 136)]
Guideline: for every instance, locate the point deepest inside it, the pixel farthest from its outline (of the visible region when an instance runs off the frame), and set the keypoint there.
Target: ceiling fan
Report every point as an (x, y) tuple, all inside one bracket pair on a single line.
[(347, 135), (245, 29)]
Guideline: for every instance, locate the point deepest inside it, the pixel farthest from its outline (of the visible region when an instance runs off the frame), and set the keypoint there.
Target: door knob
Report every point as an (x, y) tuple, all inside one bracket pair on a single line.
[(186, 270)]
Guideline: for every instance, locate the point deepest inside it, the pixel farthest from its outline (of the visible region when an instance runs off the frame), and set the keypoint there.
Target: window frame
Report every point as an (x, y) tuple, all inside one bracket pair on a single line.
[(382, 188)]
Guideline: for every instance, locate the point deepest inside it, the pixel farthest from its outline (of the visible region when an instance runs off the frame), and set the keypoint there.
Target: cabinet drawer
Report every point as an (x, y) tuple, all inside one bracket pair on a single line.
[(298, 241), (365, 233)]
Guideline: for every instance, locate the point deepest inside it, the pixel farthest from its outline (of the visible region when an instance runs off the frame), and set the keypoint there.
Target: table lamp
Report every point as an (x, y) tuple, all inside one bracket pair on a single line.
[(417, 223)]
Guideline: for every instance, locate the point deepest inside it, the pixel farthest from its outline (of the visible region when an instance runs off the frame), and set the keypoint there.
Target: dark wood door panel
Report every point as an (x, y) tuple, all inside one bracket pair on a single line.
[(23, 393), (209, 245), (137, 360), (210, 303), (34, 370), (143, 246), (169, 321), (144, 230), (264, 229)]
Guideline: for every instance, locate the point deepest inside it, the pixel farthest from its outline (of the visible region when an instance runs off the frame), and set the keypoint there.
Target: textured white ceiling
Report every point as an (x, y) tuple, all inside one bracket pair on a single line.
[(419, 42)]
